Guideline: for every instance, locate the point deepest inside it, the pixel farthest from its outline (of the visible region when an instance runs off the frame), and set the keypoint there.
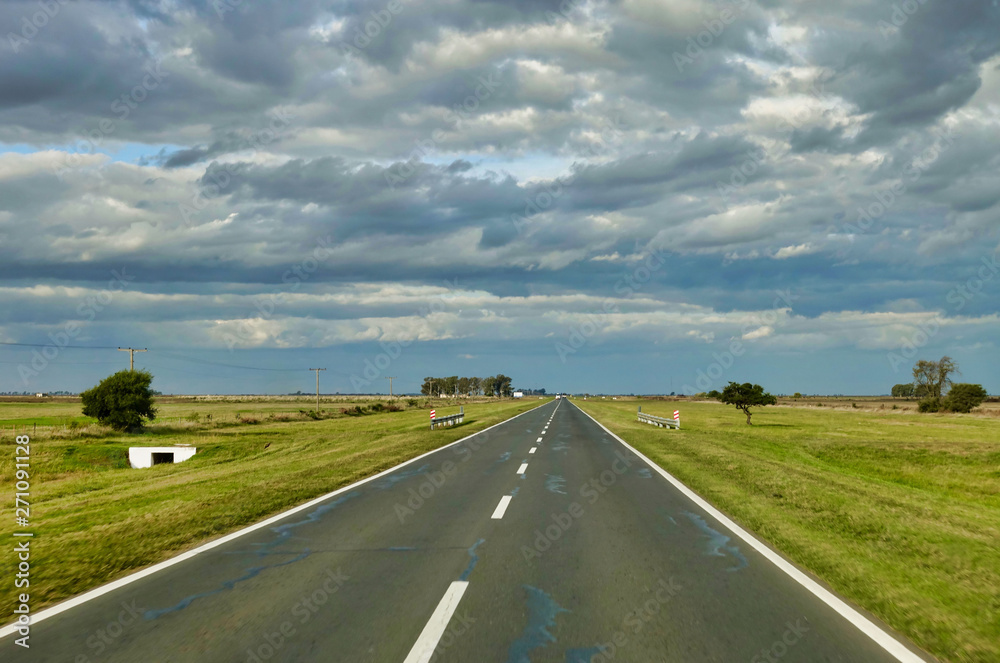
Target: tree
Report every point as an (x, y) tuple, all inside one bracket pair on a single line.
[(931, 378), (123, 401), (903, 390), (745, 396), (503, 385), (489, 386), (475, 386), (963, 397)]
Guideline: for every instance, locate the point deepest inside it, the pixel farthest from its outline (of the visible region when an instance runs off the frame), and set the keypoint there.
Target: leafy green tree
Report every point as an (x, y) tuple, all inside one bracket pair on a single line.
[(714, 394), (903, 390), (123, 401), (503, 385), (963, 397), (745, 396)]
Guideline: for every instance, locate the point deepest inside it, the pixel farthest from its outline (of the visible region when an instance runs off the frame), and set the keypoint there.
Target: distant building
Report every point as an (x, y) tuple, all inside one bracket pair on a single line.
[(518, 394), (41, 395)]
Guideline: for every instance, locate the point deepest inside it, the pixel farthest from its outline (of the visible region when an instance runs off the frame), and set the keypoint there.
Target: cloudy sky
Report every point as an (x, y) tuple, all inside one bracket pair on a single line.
[(624, 196)]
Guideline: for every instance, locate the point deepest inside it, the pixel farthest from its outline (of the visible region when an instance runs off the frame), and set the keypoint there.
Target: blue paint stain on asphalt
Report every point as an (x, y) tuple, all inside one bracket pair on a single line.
[(513, 493), (718, 541), (472, 562), (283, 532), (555, 483), (228, 584), (645, 473), (582, 655), (542, 612), (562, 446), (504, 457), (393, 479)]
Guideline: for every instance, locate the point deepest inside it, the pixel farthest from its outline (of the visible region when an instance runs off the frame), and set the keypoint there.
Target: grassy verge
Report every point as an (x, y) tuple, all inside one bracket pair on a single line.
[(95, 519), (898, 512)]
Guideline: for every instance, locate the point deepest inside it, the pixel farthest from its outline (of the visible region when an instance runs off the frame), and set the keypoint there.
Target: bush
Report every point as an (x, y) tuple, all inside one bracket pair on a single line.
[(392, 407), (931, 404), (796, 395), (963, 397), (122, 401), (412, 402)]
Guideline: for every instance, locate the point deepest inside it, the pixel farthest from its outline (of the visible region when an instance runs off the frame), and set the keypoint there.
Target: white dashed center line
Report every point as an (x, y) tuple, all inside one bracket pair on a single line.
[(532, 450), (502, 507), (424, 647), (521, 470)]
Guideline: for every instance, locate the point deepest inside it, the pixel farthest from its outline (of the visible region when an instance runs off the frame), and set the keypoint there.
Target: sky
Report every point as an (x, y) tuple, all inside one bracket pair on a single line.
[(637, 196)]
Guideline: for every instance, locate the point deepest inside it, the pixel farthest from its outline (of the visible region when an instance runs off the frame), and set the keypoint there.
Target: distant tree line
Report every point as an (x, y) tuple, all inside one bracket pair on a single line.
[(937, 392), (495, 385)]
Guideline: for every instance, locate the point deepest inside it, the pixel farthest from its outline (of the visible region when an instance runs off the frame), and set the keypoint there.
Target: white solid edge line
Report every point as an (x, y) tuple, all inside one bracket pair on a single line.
[(502, 507), (532, 450), (521, 470), (139, 575), (862, 623), (423, 648)]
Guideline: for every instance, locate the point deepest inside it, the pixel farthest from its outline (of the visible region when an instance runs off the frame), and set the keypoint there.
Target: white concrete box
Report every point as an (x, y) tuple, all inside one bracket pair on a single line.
[(140, 457)]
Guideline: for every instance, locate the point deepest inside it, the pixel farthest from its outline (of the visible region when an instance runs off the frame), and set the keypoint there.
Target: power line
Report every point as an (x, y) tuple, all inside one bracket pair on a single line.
[(217, 363), (61, 347)]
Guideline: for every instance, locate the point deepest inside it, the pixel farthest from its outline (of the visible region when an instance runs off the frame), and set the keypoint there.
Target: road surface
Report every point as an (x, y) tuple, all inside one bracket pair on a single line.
[(543, 539)]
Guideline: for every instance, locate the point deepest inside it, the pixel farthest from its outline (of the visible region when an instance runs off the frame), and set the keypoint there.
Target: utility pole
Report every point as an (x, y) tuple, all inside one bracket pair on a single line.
[(131, 356), (390, 379), (317, 386)]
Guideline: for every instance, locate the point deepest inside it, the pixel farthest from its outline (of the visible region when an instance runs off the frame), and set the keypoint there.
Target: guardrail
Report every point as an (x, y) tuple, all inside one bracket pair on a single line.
[(449, 420), (661, 422)]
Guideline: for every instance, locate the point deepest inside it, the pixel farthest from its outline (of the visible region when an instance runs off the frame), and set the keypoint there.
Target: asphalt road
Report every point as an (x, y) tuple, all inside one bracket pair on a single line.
[(543, 539)]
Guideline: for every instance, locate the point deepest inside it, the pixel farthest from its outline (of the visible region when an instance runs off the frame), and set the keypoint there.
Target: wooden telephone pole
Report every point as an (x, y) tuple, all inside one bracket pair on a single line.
[(131, 356), (390, 379), (317, 386)]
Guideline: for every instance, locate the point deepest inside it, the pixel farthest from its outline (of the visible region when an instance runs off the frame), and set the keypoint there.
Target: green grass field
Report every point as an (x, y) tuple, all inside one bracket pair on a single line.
[(897, 511), (96, 519)]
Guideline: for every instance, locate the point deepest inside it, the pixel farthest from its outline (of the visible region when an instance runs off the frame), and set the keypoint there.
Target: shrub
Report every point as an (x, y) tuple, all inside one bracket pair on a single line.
[(931, 404), (122, 401), (392, 407), (963, 397), (796, 395), (412, 402)]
